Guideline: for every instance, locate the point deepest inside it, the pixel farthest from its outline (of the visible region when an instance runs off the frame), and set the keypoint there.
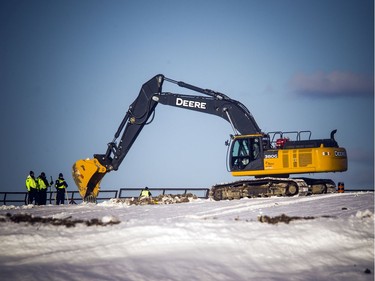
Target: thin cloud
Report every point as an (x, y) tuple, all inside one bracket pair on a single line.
[(333, 84)]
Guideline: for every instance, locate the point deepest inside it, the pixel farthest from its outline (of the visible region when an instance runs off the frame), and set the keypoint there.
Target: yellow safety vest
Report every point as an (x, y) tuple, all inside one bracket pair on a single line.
[(145, 193), (61, 186), (30, 183), (41, 184)]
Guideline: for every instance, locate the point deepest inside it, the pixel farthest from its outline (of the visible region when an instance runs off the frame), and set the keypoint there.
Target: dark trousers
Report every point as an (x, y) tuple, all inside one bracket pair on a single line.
[(42, 200), (60, 196), (32, 196)]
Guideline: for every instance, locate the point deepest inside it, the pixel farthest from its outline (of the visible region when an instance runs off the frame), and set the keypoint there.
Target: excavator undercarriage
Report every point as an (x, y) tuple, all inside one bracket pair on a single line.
[(263, 187), (270, 186)]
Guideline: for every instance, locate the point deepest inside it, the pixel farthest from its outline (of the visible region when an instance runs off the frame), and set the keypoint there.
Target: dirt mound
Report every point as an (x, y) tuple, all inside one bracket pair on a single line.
[(160, 199), (283, 218), (68, 222)]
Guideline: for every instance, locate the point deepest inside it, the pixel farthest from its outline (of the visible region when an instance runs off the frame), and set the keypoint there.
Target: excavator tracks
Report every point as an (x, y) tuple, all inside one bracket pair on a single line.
[(320, 186), (270, 186), (260, 187)]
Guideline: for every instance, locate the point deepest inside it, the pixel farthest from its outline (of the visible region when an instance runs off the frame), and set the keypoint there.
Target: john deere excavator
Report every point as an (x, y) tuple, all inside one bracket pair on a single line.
[(270, 157)]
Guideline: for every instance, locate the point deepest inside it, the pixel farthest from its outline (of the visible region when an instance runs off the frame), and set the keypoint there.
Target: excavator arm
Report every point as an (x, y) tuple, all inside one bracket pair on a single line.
[(88, 173)]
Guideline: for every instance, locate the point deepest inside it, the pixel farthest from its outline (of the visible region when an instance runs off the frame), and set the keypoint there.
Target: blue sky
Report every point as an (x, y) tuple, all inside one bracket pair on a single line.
[(70, 69)]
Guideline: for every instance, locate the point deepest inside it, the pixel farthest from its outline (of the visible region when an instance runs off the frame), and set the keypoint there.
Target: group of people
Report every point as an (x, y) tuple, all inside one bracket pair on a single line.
[(37, 188)]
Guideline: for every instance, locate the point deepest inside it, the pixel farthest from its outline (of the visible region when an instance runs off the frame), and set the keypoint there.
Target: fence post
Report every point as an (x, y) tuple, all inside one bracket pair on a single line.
[(72, 199)]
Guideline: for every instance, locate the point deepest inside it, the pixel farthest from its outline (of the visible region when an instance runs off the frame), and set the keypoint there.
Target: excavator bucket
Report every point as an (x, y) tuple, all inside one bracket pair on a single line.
[(87, 175)]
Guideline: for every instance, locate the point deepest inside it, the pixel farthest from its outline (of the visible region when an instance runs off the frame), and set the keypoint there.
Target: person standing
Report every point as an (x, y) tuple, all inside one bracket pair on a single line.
[(31, 188), (43, 185), (60, 186)]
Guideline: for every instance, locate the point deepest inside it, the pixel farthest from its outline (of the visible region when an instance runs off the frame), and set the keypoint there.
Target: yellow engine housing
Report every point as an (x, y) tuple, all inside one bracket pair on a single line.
[(299, 161)]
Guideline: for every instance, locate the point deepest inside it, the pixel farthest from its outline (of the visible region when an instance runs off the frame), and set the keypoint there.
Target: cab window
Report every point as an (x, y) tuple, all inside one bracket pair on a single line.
[(244, 151)]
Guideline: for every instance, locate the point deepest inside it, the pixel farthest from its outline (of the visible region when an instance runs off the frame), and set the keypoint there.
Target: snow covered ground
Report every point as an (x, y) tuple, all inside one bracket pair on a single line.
[(200, 240)]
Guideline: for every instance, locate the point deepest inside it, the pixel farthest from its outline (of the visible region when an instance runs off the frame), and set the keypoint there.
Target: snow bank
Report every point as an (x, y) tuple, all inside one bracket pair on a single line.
[(200, 240)]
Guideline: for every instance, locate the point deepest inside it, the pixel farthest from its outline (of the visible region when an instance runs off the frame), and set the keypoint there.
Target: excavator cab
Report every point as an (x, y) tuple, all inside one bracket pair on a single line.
[(246, 152)]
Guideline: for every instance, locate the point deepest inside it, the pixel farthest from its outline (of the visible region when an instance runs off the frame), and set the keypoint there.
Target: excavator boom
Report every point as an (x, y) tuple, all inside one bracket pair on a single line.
[(87, 174)]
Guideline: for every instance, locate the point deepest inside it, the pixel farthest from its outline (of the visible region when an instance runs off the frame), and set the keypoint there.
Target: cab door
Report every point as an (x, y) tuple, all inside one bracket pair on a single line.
[(246, 153)]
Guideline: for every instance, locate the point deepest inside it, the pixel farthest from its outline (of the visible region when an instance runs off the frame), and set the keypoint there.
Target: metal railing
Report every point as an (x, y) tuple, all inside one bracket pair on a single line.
[(13, 197), (135, 192), (75, 198)]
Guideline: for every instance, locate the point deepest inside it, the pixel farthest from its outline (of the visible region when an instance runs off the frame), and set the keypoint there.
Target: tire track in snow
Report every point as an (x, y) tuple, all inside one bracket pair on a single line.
[(255, 205)]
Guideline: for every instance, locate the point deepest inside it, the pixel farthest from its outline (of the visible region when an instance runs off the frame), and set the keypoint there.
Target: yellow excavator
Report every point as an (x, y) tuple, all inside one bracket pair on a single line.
[(270, 157)]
